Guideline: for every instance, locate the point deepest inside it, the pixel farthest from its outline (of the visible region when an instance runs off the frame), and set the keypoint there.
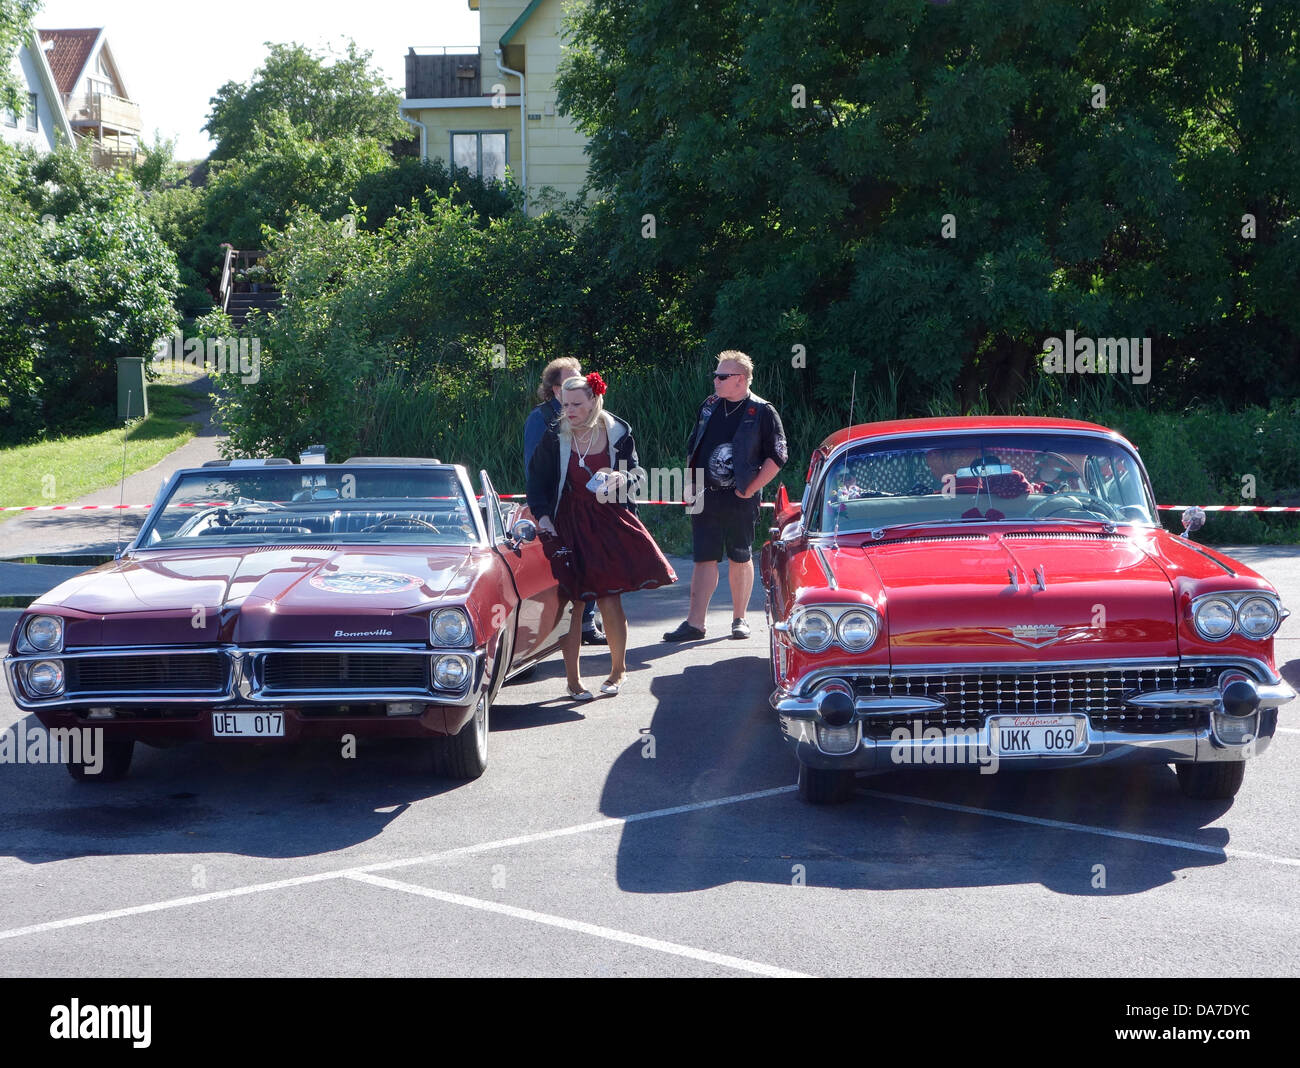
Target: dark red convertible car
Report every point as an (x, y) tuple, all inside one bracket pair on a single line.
[(999, 593), (267, 600)]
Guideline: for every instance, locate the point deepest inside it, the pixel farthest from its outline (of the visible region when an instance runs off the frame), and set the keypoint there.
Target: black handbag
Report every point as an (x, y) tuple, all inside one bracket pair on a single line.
[(564, 565)]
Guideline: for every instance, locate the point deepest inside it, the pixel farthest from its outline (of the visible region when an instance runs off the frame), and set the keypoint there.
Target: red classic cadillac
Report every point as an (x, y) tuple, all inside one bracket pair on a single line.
[(265, 600), (998, 592)]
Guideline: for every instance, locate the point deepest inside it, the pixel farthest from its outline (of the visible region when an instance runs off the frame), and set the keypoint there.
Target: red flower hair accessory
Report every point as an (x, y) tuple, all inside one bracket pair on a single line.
[(596, 384)]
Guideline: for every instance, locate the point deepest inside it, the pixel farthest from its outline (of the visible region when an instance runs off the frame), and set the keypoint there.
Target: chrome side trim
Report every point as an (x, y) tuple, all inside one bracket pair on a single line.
[(826, 567)]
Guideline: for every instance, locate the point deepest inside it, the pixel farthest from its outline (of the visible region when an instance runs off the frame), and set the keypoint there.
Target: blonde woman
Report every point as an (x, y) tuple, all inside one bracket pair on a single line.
[(581, 483)]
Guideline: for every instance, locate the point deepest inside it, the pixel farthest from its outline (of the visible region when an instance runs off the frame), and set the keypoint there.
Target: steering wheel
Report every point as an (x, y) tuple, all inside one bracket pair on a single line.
[(1065, 469), (1077, 496), (409, 520)]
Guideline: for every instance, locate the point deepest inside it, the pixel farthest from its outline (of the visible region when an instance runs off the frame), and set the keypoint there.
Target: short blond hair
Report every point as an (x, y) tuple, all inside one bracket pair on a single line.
[(554, 373), (577, 382), (736, 356)]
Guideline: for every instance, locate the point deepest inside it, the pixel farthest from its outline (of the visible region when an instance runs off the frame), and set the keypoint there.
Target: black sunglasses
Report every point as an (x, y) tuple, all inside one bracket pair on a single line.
[(729, 374)]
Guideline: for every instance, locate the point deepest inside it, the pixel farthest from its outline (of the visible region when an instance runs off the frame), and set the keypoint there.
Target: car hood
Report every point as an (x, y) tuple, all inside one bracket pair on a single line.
[(264, 595), (977, 597)]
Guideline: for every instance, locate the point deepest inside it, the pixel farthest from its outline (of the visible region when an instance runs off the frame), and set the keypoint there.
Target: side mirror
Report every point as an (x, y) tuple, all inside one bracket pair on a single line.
[(1193, 520), (524, 530)]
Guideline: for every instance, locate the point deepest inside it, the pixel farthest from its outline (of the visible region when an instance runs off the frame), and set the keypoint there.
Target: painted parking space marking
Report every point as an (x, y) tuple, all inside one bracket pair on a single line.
[(388, 865), (1085, 828), (674, 948), (171, 903)]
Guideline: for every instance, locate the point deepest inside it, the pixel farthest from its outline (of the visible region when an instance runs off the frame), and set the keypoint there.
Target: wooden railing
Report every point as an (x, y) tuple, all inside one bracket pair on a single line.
[(114, 111), (235, 260)]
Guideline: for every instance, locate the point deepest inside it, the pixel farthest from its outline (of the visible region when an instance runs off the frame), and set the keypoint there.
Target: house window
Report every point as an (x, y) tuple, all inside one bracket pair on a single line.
[(11, 117), (31, 111), (482, 153)]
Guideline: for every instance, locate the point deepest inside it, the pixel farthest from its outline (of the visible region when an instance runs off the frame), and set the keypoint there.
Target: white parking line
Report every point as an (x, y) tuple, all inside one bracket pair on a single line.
[(387, 865), (1288, 730), (1039, 821), (738, 963)]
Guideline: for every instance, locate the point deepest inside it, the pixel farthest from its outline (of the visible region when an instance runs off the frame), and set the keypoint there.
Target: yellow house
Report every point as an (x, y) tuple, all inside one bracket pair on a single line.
[(492, 107)]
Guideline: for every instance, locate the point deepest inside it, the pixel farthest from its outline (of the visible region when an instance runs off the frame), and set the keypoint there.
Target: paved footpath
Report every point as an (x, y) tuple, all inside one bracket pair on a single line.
[(43, 533)]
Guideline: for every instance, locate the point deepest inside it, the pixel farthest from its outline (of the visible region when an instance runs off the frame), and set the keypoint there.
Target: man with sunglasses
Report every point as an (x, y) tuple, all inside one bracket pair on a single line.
[(739, 445)]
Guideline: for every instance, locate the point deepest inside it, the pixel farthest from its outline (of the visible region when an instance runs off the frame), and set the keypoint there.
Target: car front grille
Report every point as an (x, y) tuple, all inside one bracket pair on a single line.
[(327, 672), (194, 673), (970, 696)]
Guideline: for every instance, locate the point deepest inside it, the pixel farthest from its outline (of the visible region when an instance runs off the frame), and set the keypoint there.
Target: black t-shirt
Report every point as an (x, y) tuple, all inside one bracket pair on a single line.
[(715, 452)]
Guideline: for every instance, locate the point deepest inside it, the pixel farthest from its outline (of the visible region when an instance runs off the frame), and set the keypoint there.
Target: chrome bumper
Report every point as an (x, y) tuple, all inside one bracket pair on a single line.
[(800, 716), (244, 679), (1104, 747)]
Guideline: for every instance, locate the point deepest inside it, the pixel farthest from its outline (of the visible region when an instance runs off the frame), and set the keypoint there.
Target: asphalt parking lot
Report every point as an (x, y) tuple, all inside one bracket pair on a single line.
[(655, 833)]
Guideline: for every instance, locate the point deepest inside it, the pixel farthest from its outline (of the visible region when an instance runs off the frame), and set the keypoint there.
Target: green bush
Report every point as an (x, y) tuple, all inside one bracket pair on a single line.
[(84, 278)]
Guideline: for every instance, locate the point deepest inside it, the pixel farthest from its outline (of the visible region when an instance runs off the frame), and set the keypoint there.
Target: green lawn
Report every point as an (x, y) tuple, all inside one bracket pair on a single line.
[(59, 471)]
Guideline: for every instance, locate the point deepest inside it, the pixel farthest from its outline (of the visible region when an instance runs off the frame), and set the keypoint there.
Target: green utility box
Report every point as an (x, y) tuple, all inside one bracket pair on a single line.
[(132, 398)]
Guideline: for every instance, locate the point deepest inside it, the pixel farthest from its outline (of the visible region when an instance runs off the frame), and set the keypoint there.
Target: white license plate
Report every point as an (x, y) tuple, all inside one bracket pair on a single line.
[(248, 724), (1013, 736)]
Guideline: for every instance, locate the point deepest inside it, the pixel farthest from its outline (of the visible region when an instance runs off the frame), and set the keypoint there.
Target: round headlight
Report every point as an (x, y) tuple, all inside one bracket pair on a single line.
[(812, 631), (1214, 619), (45, 633), (450, 672), (45, 677), (1258, 617), (856, 630), (450, 626)]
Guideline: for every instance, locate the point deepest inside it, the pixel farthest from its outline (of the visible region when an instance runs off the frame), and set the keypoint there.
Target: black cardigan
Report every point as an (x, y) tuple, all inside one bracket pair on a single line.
[(546, 475)]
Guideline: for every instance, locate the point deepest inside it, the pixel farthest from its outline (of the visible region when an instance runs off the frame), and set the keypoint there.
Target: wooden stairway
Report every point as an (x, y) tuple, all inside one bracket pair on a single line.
[(240, 304), (237, 298)]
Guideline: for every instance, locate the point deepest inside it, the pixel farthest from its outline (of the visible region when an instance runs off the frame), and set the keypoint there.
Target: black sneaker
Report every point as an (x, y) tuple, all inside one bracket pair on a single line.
[(684, 633), (739, 628), (594, 637)]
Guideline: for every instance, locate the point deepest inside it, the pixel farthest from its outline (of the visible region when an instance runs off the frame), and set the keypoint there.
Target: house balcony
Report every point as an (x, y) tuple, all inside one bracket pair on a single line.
[(439, 73), (103, 109), (109, 156)]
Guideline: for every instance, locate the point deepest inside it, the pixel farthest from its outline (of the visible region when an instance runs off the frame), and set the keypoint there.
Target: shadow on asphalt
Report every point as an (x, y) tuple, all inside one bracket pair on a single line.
[(714, 736), (275, 802)]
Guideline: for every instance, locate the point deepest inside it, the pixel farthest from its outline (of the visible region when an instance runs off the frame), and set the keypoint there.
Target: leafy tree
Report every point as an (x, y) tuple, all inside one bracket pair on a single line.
[(382, 192), (15, 29), (346, 98), (158, 169), (925, 192), (84, 278)]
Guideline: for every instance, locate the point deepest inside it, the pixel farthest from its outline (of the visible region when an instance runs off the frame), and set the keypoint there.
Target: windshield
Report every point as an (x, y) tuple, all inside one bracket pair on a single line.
[(982, 477), (296, 505)]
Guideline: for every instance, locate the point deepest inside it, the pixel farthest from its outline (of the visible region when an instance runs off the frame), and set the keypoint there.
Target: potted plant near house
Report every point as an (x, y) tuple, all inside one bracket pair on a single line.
[(255, 275)]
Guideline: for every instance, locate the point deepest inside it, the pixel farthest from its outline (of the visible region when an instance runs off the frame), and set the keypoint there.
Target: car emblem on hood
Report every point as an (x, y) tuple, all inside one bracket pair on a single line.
[(1031, 635), (365, 582)]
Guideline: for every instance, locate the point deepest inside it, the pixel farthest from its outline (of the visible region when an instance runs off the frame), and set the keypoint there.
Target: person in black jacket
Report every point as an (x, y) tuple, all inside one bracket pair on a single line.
[(582, 487), (738, 446), (545, 415)]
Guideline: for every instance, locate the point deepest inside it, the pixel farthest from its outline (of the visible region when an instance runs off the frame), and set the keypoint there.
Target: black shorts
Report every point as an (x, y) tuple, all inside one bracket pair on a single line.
[(724, 528)]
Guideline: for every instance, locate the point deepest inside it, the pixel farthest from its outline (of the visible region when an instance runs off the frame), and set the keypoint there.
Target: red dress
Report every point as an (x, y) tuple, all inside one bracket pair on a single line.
[(612, 550)]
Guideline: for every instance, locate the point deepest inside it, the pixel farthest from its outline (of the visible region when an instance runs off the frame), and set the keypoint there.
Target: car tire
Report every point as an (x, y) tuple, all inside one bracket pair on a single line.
[(464, 755), (826, 786), (117, 754), (1218, 781)]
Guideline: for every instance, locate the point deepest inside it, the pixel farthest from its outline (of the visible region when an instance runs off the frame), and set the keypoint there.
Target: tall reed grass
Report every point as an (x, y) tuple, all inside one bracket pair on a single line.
[(1194, 457)]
